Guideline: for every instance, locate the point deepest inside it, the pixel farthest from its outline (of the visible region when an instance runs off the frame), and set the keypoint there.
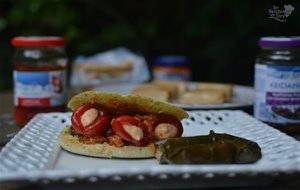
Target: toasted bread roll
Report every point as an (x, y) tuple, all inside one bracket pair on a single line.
[(126, 104), (117, 105), (104, 150)]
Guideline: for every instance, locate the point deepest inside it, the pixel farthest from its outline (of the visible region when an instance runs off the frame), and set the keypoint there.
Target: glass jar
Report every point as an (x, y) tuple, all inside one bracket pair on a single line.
[(171, 67), (277, 83), (39, 76)]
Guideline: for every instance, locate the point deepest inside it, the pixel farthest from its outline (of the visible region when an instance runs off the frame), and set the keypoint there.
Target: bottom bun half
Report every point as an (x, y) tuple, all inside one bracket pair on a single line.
[(104, 150)]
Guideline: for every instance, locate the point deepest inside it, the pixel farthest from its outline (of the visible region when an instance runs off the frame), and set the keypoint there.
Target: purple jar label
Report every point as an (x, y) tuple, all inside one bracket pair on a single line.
[(277, 93)]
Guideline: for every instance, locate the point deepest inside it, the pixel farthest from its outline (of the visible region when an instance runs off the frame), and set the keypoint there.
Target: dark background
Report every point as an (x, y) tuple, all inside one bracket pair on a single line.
[(219, 37)]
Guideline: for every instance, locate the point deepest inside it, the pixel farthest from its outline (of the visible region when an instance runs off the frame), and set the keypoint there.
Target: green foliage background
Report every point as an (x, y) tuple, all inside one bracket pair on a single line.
[(218, 36)]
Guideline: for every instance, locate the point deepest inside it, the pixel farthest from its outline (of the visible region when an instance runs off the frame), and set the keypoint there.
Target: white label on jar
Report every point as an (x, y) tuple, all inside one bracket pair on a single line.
[(277, 93), (39, 89)]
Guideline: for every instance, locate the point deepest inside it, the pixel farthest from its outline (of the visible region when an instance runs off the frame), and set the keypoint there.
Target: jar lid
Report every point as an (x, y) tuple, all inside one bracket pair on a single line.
[(293, 41), (171, 60), (38, 41)]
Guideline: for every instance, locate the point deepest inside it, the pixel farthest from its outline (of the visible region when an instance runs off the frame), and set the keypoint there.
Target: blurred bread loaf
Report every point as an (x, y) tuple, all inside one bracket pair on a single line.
[(180, 92), (163, 90), (204, 96), (181, 86), (90, 71), (154, 93), (157, 92), (226, 88)]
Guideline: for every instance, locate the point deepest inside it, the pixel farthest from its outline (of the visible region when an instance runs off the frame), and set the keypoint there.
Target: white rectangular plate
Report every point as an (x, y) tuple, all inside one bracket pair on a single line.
[(35, 155)]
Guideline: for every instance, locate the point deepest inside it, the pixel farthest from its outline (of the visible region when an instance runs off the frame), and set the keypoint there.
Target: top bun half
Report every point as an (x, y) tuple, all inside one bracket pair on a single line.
[(126, 104)]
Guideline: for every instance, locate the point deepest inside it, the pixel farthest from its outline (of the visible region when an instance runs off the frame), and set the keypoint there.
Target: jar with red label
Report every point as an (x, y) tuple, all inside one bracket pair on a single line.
[(39, 76)]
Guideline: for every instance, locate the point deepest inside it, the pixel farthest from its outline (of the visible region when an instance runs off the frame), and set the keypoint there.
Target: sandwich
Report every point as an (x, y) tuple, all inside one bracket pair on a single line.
[(94, 71), (109, 125)]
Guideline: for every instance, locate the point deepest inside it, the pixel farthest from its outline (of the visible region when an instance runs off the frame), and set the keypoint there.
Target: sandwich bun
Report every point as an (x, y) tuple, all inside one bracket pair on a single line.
[(104, 150), (117, 105), (126, 104)]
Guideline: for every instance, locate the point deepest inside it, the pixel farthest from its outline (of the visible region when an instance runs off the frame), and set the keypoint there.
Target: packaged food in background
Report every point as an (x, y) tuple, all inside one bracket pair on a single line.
[(118, 65), (277, 83), (171, 67), (40, 74)]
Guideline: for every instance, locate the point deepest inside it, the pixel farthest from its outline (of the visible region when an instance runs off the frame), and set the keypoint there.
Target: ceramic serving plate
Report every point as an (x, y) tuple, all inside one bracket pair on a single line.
[(34, 155)]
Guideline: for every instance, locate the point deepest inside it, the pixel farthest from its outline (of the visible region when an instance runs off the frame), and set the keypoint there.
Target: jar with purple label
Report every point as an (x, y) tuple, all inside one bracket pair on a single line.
[(277, 83)]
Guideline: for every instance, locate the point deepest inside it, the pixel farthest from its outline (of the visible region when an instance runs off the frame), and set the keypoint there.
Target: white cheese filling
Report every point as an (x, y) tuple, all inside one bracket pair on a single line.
[(165, 130), (135, 132), (89, 116)]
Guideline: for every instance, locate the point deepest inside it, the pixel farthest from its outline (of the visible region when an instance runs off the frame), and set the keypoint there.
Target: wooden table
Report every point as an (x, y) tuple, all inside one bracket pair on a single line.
[(6, 102), (6, 110)]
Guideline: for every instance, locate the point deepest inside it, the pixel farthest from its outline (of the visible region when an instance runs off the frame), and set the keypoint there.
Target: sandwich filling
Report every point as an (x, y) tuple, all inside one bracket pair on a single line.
[(93, 123)]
